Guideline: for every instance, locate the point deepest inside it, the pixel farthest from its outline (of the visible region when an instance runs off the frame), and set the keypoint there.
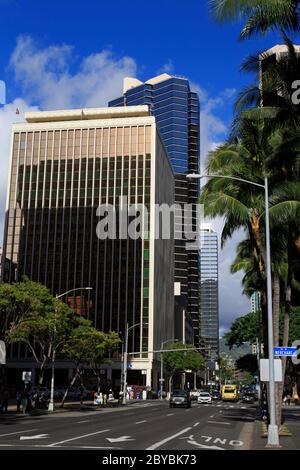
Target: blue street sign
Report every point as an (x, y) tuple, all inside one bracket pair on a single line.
[(285, 351)]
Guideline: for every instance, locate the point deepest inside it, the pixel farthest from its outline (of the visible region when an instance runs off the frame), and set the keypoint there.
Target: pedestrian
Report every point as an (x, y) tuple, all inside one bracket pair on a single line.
[(5, 398), (24, 402), (18, 398)]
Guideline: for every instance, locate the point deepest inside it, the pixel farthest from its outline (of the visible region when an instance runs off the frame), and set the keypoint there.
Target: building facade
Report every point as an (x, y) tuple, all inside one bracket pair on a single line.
[(209, 290), (176, 109), (65, 165)]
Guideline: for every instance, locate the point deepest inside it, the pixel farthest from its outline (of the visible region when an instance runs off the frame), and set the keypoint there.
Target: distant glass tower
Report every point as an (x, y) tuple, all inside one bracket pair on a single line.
[(209, 290), (176, 109), (255, 302)]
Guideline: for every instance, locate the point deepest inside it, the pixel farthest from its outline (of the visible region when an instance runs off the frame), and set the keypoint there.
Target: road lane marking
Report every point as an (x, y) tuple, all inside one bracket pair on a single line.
[(187, 410), (218, 422), (140, 422), (212, 416), (38, 436), (120, 439), (85, 421), (78, 437), (170, 414), (170, 438), (128, 414), (196, 424), (18, 432)]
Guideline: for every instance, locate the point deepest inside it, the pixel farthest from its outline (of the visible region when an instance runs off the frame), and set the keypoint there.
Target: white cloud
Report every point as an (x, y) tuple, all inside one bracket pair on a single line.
[(46, 79), (46, 76), (168, 67)]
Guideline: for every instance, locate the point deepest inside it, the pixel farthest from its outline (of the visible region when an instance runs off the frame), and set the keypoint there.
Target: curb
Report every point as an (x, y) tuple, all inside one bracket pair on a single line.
[(283, 431)]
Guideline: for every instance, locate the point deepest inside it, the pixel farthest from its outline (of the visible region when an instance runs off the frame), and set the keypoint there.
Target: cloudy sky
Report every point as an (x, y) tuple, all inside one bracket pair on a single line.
[(58, 54)]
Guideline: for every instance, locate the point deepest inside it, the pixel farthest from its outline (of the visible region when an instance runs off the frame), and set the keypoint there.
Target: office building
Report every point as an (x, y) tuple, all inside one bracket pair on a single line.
[(209, 291), (255, 301), (176, 109), (64, 165)]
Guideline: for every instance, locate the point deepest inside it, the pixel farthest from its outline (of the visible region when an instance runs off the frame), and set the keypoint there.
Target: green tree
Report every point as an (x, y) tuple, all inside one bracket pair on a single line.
[(247, 363), (40, 321), (226, 369), (89, 348), (180, 361), (261, 15)]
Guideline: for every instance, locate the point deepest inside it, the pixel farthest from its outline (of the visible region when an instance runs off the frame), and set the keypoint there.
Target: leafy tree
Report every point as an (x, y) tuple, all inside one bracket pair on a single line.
[(261, 15), (226, 369), (88, 348), (244, 329), (180, 361), (247, 363), (40, 321)]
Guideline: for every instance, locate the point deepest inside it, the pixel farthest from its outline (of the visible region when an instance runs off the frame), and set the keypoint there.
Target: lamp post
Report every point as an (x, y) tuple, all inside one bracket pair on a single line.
[(128, 328), (162, 365), (51, 403), (273, 437)]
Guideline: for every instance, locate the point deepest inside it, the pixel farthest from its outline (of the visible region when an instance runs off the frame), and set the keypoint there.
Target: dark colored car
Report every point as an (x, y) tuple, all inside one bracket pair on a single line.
[(215, 395), (249, 397), (180, 398)]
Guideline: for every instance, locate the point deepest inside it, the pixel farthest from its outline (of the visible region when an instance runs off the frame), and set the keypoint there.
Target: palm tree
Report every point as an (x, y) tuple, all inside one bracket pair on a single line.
[(242, 206), (261, 15)]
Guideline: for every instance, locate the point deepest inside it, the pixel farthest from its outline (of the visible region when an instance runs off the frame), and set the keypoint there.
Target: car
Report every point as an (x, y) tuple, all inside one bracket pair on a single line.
[(194, 394), (41, 390), (248, 397), (204, 397), (180, 398), (216, 395)]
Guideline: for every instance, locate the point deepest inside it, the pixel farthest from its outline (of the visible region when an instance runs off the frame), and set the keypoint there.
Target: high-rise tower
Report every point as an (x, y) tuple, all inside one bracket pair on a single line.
[(176, 109)]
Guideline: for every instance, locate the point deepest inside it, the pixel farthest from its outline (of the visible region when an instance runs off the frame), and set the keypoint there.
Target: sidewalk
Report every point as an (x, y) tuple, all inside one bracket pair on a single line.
[(291, 416), (87, 405)]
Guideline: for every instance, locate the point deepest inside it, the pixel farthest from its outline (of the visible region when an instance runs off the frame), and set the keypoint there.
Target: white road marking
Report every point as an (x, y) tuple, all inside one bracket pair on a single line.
[(128, 414), (196, 424), (170, 414), (140, 422), (218, 422), (85, 421), (18, 432), (187, 410), (212, 416), (120, 439), (78, 437), (170, 438), (38, 436), (219, 406)]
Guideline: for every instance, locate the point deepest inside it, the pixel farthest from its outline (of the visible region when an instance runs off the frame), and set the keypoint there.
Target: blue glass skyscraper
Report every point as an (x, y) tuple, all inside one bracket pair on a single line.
[(176, 109)]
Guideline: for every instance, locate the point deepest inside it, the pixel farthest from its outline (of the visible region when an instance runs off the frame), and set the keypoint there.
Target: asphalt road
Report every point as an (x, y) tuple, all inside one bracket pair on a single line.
[(146, 426)]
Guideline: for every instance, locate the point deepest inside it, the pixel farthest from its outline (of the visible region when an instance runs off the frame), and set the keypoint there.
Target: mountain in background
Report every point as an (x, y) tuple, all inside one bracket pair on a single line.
[(235, 352)]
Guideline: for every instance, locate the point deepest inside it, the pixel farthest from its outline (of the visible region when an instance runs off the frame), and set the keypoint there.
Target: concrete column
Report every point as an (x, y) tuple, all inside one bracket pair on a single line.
[(149, 378)]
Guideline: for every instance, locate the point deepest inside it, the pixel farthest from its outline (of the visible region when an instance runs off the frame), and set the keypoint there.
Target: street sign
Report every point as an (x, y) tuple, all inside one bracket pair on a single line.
[(2, 353), (264, 370), (278, 351), (26, 376)]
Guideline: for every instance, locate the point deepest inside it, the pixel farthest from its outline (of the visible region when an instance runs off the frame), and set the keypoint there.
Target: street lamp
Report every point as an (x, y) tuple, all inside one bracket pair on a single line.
[(273, 437), (51, 403), (162, 365)]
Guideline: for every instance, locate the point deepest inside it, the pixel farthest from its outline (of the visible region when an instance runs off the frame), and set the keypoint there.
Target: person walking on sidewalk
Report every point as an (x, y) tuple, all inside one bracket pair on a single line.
[(24, 402)]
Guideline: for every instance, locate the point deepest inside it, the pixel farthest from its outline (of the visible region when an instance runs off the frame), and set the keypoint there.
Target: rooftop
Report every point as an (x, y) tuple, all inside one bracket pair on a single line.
[(86, 114)]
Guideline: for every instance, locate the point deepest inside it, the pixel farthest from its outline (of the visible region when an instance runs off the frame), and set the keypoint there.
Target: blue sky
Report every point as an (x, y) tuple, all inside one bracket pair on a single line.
[(65, 53)]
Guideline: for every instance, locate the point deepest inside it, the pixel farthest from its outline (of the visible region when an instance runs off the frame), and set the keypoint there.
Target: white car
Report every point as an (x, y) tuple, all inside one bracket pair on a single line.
[(204, 397)]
